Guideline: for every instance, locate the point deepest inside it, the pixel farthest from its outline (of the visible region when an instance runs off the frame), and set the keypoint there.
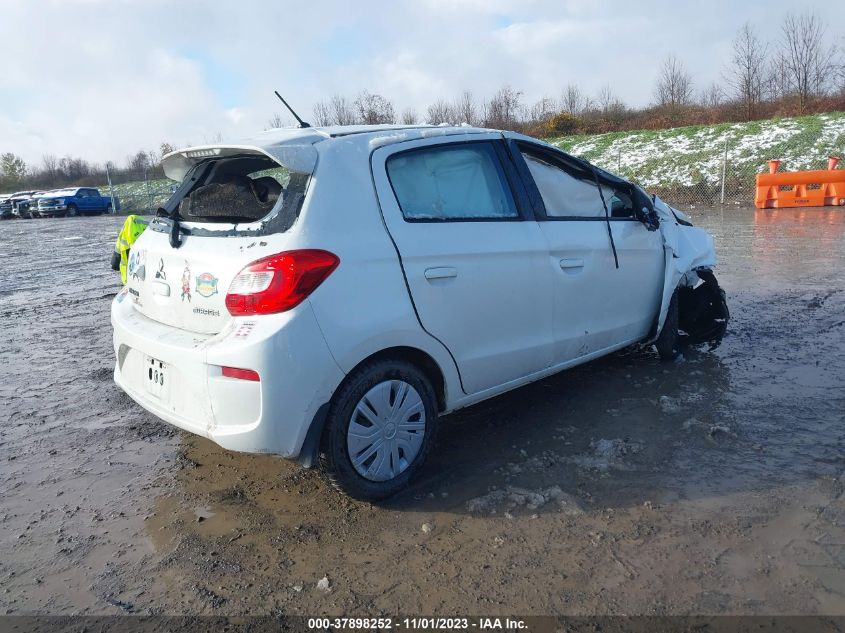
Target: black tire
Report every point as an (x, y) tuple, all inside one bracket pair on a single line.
[(72, 211), (667, 342), (108, 209), (335, 461)]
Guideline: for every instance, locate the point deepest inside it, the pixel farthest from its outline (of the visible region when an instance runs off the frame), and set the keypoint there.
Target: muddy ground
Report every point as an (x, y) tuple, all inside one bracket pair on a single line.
[(711, 485)]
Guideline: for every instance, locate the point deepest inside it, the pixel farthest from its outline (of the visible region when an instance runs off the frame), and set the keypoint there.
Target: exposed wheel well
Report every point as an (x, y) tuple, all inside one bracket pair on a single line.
[(419, 359)]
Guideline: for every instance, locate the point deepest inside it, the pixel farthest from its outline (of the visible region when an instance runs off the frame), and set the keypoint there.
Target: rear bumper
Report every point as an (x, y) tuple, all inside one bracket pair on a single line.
[(298, 375)]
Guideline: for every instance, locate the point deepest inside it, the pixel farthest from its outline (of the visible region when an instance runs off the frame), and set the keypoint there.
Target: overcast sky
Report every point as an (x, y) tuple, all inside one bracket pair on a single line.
[(103, 78)]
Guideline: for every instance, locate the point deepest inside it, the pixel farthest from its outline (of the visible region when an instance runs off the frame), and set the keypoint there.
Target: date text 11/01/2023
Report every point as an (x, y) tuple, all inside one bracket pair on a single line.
[(416, 624)]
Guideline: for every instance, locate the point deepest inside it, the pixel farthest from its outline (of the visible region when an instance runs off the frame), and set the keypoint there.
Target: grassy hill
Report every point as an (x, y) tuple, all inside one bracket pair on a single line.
[(688, 161)]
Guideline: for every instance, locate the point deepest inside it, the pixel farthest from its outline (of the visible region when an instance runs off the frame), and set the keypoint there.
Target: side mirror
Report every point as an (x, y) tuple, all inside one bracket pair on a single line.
[(648, 218)]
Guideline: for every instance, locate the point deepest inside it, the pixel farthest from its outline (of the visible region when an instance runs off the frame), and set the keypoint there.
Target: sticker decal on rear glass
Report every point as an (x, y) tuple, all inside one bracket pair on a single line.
[(206, 285), (186, 284)]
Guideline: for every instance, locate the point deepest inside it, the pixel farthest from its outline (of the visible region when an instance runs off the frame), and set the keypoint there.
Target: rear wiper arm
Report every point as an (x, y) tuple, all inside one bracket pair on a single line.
[(175, 228), (197, 173), (175, 231)]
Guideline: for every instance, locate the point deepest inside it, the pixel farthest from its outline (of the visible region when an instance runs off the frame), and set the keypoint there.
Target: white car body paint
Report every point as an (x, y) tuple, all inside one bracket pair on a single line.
[(526, 299)]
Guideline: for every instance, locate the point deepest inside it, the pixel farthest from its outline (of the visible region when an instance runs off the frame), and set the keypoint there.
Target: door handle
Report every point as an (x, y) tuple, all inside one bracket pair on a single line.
[(446, 272), (571, 263)]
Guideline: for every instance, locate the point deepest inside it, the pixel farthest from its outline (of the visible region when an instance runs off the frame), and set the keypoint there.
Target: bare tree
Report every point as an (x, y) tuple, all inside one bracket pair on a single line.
[(747, 73), (465, 110), (373, 109), (341, 111), (713, 95), (777, 83), (674, 84), (138, 162), (809, 63), (50, 167), (322, 114), (440, 111), (409, 116), (75, 169), (607, 101), (275, 121), (542, 110), (573, 100), (609, 106), (605, 98), (503, 109)]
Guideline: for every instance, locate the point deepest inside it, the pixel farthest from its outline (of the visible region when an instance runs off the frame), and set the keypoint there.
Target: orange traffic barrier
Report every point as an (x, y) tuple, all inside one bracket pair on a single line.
[(817, 188)]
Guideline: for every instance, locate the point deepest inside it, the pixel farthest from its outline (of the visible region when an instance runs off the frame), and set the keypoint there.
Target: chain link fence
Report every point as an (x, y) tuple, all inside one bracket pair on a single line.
[(140, 193), (712, 165)]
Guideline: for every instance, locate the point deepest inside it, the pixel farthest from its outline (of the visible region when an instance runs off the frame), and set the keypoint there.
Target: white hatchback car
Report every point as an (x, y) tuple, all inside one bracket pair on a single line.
[(328, 293)]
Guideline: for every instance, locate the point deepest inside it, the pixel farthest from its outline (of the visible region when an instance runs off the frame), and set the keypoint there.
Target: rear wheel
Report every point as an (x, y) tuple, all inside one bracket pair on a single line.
[(667, 341), (108, 209), (379, 430)]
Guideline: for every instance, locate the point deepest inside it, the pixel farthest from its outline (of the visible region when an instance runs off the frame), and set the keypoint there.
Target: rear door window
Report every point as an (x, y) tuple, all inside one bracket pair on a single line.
[(459, 182)]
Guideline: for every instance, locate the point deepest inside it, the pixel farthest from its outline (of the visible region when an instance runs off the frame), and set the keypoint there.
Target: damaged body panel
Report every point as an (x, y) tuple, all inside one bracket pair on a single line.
[(689, 256)]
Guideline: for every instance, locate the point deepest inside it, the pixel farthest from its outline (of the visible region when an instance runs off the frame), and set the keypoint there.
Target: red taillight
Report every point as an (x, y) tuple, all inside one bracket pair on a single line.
[(241, 374), (279, 282)]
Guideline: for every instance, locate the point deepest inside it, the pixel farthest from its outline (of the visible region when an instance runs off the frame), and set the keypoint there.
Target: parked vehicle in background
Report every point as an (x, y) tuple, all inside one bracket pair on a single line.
[(17, 205), (24, 206), (74, 201), (328, 293), (5, 207)]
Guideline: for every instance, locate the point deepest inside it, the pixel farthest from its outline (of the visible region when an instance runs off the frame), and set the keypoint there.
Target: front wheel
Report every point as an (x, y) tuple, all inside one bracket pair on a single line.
[(667, 341), (72, 211), (379, 430)]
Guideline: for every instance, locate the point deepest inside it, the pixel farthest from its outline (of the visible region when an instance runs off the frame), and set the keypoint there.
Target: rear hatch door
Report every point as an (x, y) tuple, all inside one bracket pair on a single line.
[(237, 205)]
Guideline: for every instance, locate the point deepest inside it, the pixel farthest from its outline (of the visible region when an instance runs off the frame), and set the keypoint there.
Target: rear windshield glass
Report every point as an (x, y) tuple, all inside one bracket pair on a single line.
[(243, 188)]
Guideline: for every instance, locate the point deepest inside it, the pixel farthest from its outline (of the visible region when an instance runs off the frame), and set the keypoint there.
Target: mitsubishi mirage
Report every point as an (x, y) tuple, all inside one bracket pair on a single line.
[(328, 294)]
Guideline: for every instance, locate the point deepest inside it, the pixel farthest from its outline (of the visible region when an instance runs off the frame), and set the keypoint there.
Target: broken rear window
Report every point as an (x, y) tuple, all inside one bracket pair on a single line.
[(244, 188)]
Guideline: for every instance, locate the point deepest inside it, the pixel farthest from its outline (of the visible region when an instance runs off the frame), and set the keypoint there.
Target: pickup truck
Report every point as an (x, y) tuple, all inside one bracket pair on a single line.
[(73, 201)]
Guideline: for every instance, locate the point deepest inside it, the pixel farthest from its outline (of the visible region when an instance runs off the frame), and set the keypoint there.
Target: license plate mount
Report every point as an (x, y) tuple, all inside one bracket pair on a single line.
[(156, 377)]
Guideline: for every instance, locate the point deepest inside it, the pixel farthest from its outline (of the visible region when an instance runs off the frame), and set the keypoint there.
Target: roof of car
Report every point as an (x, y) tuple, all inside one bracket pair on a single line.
[(310, 135), (275, 142)]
